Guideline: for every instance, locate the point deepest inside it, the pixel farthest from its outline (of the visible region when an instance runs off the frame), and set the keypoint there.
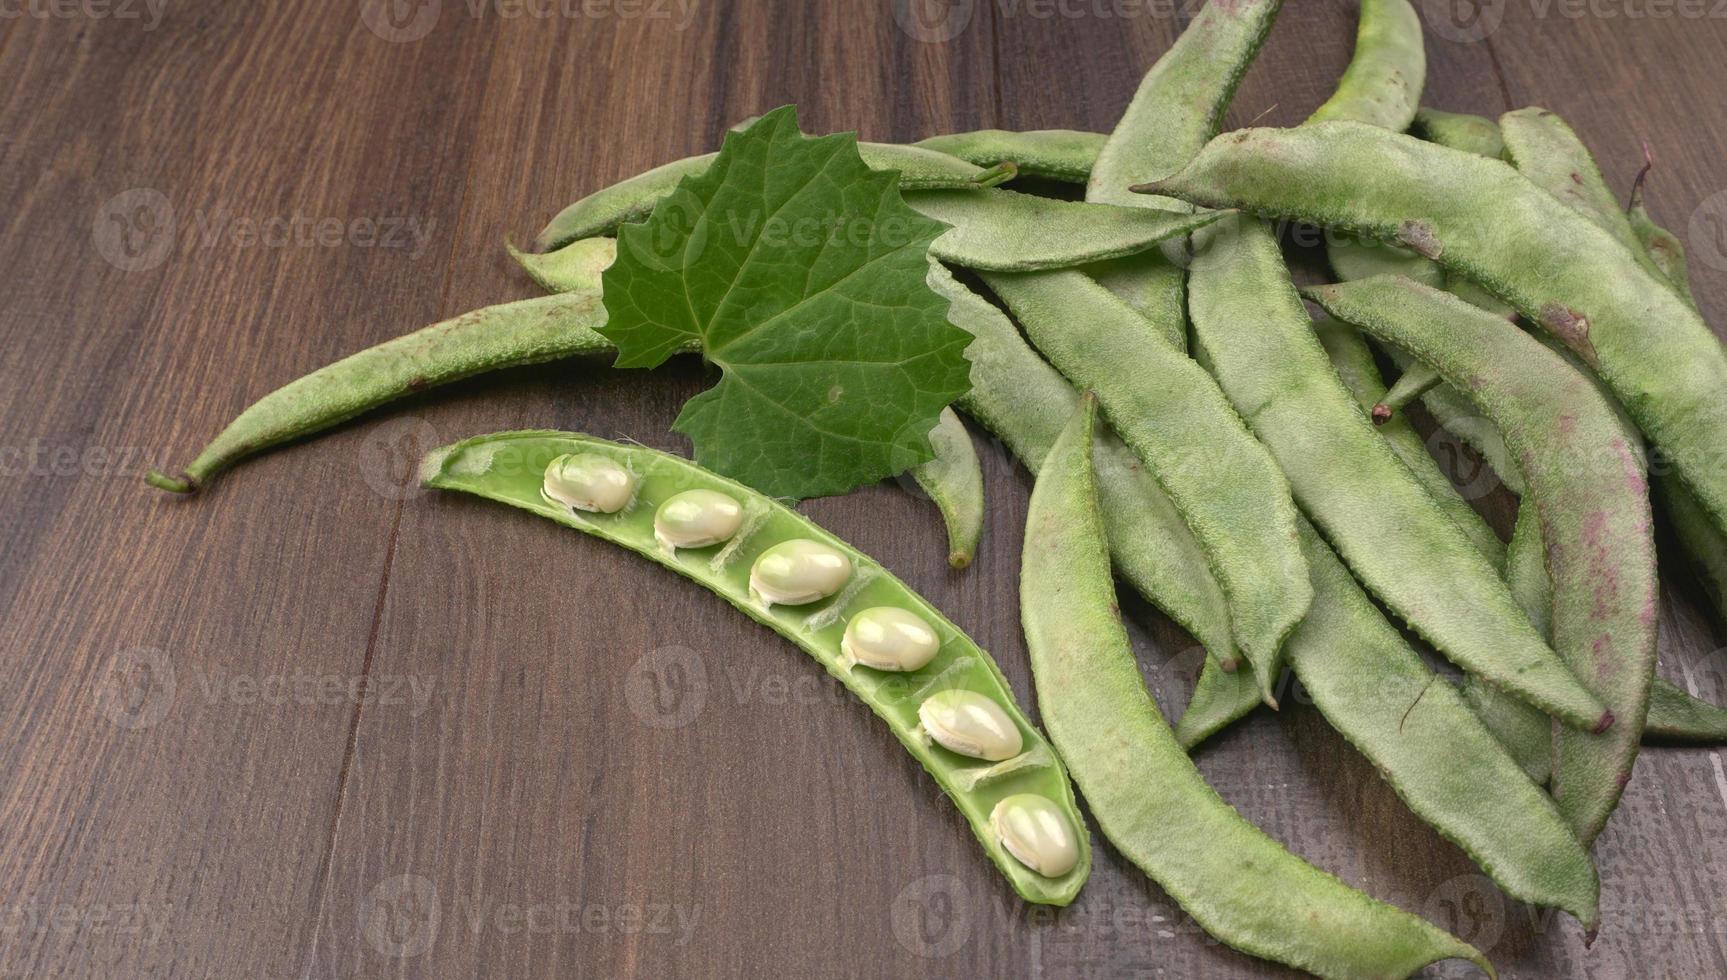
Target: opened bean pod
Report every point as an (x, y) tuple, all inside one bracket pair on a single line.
[(941, 695)]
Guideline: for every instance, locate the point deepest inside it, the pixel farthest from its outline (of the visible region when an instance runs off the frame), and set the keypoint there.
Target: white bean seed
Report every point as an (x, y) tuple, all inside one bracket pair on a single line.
[(590, 482), (889, 638), (1036, 833), (798, 572), (971, 724), (697, 519)]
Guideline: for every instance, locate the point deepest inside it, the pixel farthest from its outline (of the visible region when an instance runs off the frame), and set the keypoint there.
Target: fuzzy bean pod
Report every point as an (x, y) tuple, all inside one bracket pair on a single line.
[(1588, 486), (954, 480), (1019, 397), (1066, 155), (1382, 85), (601, 212), (1146, 795), (1225, 484), (1009, 231), (1484, 220), (1256, 338), (512, 334)]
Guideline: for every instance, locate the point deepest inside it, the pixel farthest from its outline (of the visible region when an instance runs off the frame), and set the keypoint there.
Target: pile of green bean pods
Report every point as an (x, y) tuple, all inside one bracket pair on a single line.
[(1238, 449)]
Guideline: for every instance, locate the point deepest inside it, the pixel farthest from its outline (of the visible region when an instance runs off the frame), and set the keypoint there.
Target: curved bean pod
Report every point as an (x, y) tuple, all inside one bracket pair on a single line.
[(1662, 246), (1460, 131), (1054, 154), (1484, 220), (512, 334), (1009, 231), (601, 212), (1354, 363), (509, 468), (1180, 102), (953, 479), (1596, 525), (1545, 149), (1220, 699), (1225, 484), (1146, 795), (1382, 85), (1524, 731), (1178, 106), (1678, 717), (1019, 397), (1143, 282), (1421, 737), (1257, 339)]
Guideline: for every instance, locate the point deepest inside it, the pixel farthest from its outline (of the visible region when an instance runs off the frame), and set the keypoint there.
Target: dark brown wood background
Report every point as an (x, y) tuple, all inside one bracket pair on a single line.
[(565, 761)]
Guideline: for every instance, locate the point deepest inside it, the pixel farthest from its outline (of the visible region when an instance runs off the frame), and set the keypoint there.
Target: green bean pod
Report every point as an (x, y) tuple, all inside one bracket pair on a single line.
[(1676, 716), (1662, 246), (1178, 106), (1484, 220), (1019, 397), (954, 480), (601, 212), (1143, 282), (1220, 699), (1225, 484), (1460, 131), (1589, 489), (511, 468), (1524, 731), (512, 334), (1066, 155), (1146, 795), (1258, 341), (1180, 102), (1009, 231), (1382, 85), (1545, 149), (1433, 750)]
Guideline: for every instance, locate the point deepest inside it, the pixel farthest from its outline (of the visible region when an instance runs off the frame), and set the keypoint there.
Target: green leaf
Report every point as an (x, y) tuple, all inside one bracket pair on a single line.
[(800, 273)]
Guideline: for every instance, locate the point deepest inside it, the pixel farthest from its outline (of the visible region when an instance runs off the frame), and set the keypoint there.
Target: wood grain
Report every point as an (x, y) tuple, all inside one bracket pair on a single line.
[(316, 724)]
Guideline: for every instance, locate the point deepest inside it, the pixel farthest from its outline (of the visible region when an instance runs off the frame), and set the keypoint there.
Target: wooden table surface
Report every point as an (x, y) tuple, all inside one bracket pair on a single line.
[(318, 724)]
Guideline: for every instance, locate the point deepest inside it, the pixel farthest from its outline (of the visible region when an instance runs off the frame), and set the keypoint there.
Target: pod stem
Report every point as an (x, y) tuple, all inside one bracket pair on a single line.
[(1415, 382), (1001, 173), (163, 481)]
